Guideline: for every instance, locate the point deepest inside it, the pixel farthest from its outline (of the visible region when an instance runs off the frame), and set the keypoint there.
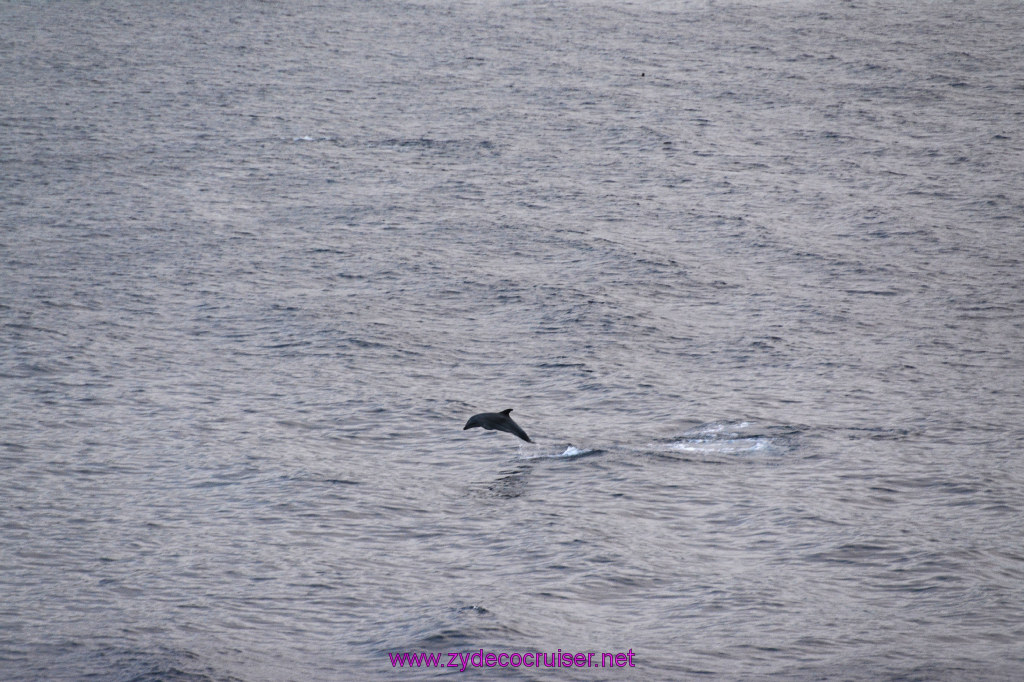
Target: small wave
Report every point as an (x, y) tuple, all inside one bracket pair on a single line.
[(732, 438), (723, 447), (717, 429)]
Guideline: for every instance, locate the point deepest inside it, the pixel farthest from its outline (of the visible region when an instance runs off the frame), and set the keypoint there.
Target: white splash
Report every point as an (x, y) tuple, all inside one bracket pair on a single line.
[(570, 451)]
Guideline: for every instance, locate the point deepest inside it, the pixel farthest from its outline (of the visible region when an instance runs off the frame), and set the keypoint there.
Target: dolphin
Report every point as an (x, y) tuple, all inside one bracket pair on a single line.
[(496, 421)]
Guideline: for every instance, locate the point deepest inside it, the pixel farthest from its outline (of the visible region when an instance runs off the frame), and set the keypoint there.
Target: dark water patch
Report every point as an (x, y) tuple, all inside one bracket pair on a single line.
[(82, 662), (509, 484)]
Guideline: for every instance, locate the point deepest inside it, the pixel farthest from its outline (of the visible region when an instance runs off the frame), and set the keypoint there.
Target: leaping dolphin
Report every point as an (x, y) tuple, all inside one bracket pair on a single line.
[(496, 421)]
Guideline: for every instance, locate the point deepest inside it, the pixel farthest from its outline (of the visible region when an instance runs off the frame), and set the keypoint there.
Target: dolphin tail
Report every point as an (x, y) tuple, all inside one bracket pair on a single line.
[(514, 428)]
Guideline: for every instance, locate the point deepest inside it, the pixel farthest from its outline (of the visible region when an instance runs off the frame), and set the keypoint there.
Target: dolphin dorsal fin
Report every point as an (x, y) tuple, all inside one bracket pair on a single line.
[(505, 412)]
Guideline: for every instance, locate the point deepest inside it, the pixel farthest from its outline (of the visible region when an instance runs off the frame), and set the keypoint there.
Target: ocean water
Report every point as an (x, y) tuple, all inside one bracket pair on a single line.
[(751, 275)]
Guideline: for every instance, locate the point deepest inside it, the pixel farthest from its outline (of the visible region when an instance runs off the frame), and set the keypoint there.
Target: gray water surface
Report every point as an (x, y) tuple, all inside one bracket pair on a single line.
[(750, 275)]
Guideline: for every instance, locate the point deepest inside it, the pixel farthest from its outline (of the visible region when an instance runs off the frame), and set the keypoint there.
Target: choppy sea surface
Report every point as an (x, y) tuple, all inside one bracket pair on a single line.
[(750, 274)]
